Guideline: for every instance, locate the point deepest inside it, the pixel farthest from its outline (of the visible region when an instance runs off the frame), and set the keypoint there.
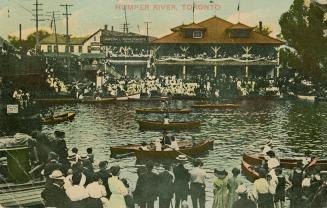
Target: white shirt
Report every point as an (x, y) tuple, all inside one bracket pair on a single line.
[(95, 190), (158, 146), (166, 120), (77, 193), (273, 163), (198, 175), (266, 149), (306, 161), (144, 148), (174, 145)]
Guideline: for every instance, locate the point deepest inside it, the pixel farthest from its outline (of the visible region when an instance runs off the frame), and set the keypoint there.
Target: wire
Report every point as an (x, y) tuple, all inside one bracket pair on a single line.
[(29, 11)]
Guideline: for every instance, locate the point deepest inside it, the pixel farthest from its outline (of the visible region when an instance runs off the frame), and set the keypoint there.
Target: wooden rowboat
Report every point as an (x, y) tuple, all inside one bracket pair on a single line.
[(284, 163), (58, 118), (159, 125), (158, 110), (100, 101), (131, 148), (307, 98), (193, 151), (216, 106), (249, 171), (21, 195)]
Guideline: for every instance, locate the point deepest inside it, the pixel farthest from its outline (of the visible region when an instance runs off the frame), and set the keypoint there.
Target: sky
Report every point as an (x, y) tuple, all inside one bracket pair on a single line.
[(90, 15)]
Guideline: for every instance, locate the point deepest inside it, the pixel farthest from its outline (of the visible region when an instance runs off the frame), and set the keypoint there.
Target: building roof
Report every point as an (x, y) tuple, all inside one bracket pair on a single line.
[(216, 32), (192, 26), (62, 40), (240, 26)]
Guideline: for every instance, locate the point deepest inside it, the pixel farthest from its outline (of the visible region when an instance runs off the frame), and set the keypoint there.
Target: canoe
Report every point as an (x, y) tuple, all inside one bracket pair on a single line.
[(59, 118), (131, 148), (191, 151), (122, 98), (21, 195), (158, 110), (136, 96), (101, 101), (306, 98), (216, 106), (159, 125), (249, 171), (284, 162)]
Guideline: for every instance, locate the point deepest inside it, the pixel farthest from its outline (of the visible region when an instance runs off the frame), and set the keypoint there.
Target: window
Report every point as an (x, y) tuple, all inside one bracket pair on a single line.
[(55, 48), (80, 49), (95, 38), (72, 49), (197, 34), (49, 48)]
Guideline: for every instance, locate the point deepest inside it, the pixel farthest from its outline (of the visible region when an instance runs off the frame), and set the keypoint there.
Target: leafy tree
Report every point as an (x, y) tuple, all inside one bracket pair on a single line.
[(302, 27), (29, 42), (265, 30)]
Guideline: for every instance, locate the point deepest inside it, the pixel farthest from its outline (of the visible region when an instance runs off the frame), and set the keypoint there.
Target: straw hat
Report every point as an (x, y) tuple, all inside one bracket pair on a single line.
[(57, 174), (181, 158)]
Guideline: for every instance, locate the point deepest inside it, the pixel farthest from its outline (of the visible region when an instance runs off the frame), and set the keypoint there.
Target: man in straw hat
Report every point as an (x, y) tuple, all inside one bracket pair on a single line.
[(53, 194), (182, 178), (243, 201)]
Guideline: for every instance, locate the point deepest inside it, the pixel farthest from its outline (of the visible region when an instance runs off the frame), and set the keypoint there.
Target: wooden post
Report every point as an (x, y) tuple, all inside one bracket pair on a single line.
[(215, 70), (246, 71), (125, 72), (184, 71)]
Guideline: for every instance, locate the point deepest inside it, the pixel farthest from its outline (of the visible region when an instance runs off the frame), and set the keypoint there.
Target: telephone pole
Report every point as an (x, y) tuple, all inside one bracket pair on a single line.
[(66, 14), (37, 20), (147, 29)]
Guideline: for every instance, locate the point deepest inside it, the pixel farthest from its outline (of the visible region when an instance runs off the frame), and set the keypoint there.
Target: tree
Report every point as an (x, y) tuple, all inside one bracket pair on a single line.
[(302, 28), (265, 30), (29, 42)]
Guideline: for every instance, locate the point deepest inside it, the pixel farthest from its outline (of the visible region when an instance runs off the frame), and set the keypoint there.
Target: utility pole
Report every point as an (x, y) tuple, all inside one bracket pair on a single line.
[(126, 24), (67, 34), (37, 20), (147, 30)]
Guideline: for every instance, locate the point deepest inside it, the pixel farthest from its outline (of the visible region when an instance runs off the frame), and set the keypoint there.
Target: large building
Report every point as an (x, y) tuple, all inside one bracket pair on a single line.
[(216, 46), (127, 52)]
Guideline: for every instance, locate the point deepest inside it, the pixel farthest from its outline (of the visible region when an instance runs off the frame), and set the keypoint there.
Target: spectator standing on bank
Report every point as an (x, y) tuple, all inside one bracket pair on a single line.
[(197, 187)]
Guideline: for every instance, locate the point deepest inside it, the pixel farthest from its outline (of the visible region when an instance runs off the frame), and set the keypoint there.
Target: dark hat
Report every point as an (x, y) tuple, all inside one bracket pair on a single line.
[(262, 172), (114, 170), (144, 143), (220, 173), (103, 164), (236, 171), (60, 134)]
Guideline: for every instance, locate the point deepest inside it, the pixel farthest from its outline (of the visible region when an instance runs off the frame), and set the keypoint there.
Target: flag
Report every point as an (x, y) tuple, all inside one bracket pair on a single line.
[(238, 6)]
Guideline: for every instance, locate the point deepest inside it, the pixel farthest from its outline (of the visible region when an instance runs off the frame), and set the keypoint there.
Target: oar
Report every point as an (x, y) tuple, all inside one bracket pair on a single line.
[(184, 154)]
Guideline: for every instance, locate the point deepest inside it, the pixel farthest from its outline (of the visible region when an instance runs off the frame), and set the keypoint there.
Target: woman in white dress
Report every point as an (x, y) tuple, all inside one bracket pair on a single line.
[(117, 189)]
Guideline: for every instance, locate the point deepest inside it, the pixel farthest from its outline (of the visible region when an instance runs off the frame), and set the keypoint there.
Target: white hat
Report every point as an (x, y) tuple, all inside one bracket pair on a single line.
[(181, 157), (57, 174), (241, 189)]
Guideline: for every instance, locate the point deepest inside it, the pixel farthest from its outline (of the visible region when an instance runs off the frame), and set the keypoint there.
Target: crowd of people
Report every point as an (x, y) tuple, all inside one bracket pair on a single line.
[(74, 180)]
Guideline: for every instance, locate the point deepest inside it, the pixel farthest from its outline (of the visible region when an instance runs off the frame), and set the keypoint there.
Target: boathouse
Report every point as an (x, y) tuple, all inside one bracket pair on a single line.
[(215, 46)]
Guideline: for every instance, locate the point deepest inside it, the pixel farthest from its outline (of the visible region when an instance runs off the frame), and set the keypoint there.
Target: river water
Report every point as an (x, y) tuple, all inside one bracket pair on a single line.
[(294, 126)]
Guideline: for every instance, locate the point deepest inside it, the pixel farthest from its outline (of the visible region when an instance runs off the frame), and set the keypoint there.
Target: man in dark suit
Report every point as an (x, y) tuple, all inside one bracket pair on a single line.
[(165, 187), (151, 191), (104, 175), (53, 194), (181, 183), (52, 164)]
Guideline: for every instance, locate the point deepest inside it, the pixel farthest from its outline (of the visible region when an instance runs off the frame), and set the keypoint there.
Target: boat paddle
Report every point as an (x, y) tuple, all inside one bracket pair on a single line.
[(184, 154)]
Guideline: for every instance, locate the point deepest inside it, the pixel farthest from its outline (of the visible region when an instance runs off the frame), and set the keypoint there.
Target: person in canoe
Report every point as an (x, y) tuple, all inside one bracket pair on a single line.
[(158, 145), (267, 147), (166, 119), (144, 146), (306, 160), (165, 139)]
